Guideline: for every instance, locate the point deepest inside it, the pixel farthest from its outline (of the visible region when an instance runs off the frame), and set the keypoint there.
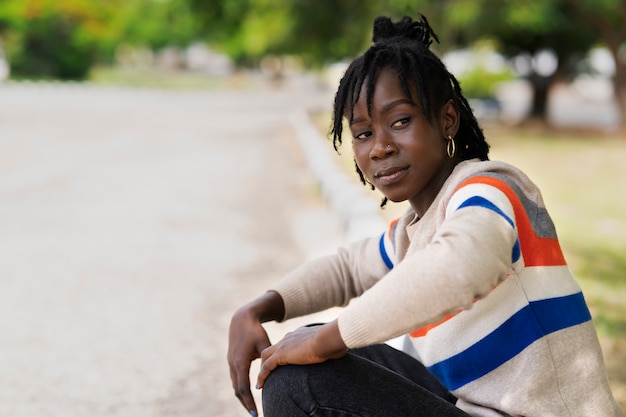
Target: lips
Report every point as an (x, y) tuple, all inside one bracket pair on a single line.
[(390, 175)]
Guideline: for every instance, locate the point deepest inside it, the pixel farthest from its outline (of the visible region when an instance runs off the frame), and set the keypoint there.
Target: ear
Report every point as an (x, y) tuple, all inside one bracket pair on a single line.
[(450, 119)]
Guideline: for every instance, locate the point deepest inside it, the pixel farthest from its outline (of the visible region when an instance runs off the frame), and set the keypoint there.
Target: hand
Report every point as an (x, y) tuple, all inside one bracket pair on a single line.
[(304, 346), (247, 339)]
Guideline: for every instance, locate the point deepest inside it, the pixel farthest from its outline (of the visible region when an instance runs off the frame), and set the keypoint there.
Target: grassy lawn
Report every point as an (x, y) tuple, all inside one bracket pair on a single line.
[(582, 179)]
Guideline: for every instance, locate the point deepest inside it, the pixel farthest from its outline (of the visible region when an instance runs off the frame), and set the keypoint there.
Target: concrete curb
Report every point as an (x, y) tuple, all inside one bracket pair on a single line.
[(359, 212)]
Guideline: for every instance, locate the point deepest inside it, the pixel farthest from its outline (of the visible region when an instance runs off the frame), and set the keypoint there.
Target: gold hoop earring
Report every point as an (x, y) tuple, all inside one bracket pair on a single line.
[(450, 147)]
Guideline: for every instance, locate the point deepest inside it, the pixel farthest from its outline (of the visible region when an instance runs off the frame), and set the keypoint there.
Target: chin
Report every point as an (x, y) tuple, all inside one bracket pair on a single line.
[(395, 198)]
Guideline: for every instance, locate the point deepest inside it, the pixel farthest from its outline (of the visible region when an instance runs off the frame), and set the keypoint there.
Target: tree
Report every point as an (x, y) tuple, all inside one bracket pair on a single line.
[(243, 29), (52, 38), (325, 32), (318, 31), (568, 28), (154, 23), (65, 38), (608, 19)]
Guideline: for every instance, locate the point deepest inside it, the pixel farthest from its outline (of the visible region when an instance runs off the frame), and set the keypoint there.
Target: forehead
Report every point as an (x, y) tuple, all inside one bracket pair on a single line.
[(387, 81), (387, 85)]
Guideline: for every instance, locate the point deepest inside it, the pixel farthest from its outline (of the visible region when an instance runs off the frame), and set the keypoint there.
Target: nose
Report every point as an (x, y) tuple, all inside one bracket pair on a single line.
[(383, 147)]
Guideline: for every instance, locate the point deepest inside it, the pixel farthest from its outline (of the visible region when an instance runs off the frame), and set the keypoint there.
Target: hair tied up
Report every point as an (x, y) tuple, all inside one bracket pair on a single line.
[(407, 28)]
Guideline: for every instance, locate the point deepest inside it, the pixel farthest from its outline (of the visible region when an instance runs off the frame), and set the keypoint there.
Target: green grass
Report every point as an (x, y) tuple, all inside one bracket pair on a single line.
[(162, 79), (582, 178)]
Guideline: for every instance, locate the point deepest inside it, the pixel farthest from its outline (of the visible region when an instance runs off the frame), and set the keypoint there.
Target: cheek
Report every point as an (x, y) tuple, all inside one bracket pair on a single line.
[(360, 155), (429, 145)]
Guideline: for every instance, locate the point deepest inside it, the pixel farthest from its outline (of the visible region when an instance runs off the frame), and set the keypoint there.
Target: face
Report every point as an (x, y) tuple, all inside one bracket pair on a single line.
[(397, 149)]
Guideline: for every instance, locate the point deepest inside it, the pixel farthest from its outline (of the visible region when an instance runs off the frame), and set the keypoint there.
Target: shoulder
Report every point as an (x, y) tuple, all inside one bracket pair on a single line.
[(490, 178), (493, 185)]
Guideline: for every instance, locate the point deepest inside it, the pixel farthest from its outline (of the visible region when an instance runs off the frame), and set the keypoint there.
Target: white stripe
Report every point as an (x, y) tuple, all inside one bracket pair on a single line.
[(495, 196), (491, 193), (486, 315), (543, 282), (489, 314)]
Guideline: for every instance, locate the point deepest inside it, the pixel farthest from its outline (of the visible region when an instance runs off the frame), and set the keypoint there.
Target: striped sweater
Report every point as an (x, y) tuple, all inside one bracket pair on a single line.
[(480, 284)]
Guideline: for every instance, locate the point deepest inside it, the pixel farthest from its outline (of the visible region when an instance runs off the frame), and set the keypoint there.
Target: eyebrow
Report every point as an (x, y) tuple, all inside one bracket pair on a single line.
[(387, 107)]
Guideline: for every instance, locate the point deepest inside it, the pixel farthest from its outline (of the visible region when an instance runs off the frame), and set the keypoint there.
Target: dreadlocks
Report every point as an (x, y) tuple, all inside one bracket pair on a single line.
[(404, 47)]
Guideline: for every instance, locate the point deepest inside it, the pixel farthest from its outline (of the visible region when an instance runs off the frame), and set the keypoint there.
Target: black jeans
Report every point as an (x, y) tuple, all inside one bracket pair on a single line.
[(375, 381)]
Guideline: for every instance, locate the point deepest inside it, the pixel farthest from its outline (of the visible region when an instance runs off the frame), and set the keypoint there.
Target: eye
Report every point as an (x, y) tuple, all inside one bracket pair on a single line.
[(363, 135), (401, 122)]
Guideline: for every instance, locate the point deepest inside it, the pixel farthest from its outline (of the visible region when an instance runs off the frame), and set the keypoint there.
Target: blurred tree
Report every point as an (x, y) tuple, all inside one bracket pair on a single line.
[(53, 38), (325, 32), (319, 32), (65, 38), (154, 23), (608, 19), (565, 28), (231, 25)]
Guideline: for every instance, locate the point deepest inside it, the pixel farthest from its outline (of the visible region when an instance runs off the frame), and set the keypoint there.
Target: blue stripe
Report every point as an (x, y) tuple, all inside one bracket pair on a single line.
[(477, 201), (383, 252), (541, 223), (525, 327)]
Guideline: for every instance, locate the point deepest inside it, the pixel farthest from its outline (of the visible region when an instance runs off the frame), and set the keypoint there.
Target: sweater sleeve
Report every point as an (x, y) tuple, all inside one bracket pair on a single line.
[(332, 280), (469, 254)]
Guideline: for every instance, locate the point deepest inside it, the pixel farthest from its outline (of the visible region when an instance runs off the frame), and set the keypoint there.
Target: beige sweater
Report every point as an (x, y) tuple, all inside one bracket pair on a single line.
[(482, 287)]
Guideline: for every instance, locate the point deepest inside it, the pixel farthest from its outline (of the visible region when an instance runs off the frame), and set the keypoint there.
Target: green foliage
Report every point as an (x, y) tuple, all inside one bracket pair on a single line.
[(52, 39), (154, 23), (65, 38), (262, 28), (479, 82), (51, 48)]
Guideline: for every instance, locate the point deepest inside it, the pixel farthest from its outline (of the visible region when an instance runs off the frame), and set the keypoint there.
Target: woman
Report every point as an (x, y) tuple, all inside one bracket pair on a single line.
[(473, 272)]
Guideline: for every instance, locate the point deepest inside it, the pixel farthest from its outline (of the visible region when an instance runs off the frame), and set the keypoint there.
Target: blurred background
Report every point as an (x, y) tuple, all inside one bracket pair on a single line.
[(535, 48), (133, 131)]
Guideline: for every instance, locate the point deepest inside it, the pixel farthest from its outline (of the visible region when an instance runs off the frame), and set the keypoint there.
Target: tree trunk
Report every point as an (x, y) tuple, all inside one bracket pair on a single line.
[(619, 84), (539, 104), (613, 34)]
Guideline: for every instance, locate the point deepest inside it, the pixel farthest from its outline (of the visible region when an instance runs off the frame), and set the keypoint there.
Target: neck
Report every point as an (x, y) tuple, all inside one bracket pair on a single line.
[(421, 203)]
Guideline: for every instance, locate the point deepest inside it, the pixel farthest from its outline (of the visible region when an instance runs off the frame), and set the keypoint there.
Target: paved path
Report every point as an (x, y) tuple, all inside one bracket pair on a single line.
[(132, 224)]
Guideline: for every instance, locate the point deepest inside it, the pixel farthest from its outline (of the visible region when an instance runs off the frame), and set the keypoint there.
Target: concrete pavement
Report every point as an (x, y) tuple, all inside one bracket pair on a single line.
[(132, 224)]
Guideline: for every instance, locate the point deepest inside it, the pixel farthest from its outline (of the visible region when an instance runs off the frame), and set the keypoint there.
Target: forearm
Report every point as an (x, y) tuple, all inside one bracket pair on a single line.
[(267, 307), (331, 281), (328, 342)]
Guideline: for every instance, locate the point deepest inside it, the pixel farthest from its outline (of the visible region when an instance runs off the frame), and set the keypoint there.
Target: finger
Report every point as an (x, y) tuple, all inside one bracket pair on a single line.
[(239, 375), (268, 364), (244, 394)]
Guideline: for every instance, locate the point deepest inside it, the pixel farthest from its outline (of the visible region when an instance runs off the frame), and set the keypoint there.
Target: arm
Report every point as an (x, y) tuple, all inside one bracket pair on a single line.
[(332, 280), (315, 286), (468, 256)]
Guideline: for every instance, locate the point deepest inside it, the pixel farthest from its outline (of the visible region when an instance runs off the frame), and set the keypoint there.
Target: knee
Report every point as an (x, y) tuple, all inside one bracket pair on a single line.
[(284, 391), (283, 382)]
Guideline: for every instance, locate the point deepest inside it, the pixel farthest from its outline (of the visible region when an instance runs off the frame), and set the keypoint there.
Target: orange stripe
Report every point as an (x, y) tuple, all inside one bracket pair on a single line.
[(537, 251), (391, 225), (422, 331)]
